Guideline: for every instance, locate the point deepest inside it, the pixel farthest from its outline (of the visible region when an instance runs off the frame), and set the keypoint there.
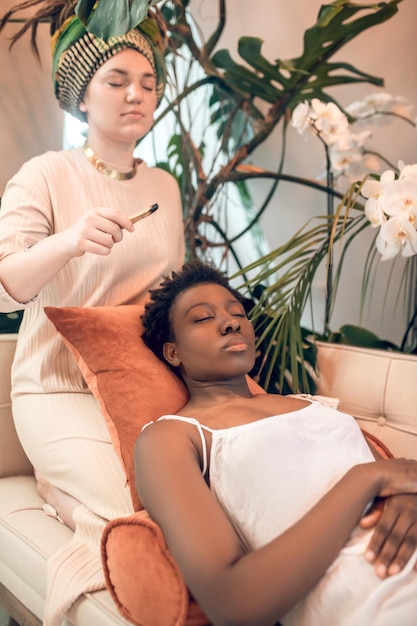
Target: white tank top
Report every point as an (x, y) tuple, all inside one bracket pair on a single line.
[(269, 473)]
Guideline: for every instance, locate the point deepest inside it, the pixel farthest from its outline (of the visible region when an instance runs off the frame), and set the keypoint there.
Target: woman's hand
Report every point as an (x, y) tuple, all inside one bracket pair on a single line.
[(25, 273), (395, 536), (394, 515), (391, 477), (96, 232)]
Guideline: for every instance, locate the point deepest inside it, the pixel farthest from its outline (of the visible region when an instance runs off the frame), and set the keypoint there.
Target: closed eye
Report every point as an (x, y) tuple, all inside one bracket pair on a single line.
[(203, 319), (237, 312)]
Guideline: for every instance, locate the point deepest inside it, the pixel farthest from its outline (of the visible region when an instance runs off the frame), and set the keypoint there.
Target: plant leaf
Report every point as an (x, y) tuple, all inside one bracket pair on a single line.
[(277, 314), (111, 18), (363, 338), (310, 73)]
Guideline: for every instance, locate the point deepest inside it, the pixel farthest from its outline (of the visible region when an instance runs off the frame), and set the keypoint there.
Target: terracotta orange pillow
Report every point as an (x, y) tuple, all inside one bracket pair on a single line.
[(142, 576), (131, 384)]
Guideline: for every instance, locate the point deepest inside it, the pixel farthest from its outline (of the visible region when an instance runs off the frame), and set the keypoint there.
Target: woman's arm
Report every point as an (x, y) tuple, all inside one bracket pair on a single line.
[(260, 587), (24, 273)]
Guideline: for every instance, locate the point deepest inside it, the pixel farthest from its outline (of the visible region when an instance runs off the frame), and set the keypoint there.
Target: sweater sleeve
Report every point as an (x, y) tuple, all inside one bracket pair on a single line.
[(25, 219)]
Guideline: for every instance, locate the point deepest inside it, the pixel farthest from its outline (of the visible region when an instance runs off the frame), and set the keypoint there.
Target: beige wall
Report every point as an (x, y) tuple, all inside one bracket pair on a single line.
[(30, 119)]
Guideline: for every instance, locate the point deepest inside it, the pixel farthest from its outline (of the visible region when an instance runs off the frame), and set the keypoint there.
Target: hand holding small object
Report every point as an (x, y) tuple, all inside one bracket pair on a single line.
[(141, 216)]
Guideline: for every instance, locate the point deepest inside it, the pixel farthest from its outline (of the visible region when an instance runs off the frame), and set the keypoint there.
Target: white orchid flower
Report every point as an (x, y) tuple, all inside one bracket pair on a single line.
[(374, 188), (374, 213), (358, 139), (360, 109), (301, 118), (347, 158), (392, 204), (352, 172), (400, 197), (391, 201), (397, 235), (374, 107), (342, 159), (388, 250), (371, 188), (408, 171), (331, 123), (380, 101), (367, 108), (387, 103)]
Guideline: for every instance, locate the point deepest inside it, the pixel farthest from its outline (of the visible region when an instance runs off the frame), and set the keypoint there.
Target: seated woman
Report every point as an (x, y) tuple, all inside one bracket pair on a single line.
[(262, 498)]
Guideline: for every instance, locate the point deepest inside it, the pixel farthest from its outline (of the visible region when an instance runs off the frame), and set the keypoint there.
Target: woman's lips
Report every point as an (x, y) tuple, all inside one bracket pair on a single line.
[(237, 344), (133, 113)]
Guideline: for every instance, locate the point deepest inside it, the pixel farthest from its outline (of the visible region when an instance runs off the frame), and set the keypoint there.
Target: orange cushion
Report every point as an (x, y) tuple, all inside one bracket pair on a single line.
[(379, 445), (142, 576), (131, 384)]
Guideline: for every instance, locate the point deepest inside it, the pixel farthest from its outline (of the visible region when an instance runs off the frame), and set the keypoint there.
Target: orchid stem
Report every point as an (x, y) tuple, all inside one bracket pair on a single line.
[(330, 215)]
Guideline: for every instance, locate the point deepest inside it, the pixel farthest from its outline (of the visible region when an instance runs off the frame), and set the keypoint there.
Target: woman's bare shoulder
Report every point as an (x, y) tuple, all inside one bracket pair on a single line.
[(165, 442)]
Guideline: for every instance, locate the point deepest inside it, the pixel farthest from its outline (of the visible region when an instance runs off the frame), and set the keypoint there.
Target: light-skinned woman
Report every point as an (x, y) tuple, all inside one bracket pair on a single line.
[(67, 239)]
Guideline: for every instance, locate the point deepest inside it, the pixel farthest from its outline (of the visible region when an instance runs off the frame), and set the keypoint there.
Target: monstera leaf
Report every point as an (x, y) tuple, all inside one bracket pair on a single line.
[(109, 18), (306, 77)]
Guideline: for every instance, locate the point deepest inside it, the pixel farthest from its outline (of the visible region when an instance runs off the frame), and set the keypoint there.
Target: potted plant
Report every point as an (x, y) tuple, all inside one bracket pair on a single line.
[(244, 103), (278, 283), (387, 202)]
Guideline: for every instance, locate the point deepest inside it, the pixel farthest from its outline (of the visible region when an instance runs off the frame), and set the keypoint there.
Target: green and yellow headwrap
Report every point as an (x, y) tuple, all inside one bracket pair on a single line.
[(77, 55)]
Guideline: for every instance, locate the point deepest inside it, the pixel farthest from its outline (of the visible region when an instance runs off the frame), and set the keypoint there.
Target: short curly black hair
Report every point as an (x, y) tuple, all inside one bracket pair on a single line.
[(156, 318)]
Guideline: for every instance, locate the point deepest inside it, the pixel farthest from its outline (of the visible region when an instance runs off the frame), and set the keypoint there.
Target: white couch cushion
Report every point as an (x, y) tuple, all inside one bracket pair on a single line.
[(377, 387), (27, 538), (13, 460)]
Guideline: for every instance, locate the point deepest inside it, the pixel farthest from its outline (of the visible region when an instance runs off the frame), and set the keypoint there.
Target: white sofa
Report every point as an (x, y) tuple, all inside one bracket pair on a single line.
[(380, 389), (27, 535)]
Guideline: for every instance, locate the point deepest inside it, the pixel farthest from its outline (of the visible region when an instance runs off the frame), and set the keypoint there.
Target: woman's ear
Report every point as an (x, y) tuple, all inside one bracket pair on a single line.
[(83, 106), (170, 353)]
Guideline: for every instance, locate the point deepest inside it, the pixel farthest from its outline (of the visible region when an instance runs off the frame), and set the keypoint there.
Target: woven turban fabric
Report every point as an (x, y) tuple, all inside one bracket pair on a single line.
[(77, 55)]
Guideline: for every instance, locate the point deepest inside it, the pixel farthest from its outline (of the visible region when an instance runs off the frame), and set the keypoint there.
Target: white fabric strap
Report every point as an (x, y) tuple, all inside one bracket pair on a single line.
[(200, 427)]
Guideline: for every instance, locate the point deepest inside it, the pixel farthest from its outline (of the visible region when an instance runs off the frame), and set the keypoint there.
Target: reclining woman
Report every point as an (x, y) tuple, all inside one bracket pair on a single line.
[(263, 498)]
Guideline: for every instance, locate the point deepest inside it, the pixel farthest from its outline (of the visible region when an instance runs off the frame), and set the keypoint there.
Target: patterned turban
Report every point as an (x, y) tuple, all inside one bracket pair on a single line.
[(77, 55)]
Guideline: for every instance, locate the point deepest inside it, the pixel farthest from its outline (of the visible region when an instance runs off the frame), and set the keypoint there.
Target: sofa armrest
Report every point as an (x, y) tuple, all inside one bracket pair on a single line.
[(13, 460)]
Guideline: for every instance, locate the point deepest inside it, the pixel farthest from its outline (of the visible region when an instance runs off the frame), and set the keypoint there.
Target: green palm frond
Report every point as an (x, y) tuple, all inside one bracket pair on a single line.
[(286, 275)]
